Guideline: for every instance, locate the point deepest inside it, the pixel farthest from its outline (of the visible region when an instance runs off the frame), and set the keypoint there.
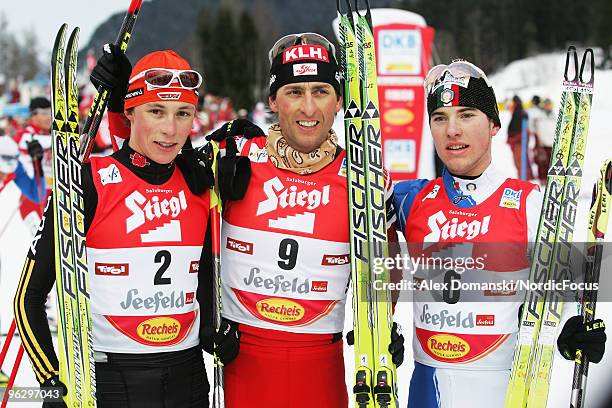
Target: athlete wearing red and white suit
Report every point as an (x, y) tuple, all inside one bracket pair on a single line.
[(285, 272), (460, 337)]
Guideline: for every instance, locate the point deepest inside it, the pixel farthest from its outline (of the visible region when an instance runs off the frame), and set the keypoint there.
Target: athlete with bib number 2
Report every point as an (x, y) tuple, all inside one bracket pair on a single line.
[(148, 262), (464, 341)]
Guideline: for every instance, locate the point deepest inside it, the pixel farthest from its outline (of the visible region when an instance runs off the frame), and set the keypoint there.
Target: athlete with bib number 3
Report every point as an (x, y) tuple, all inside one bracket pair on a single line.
[(464, 340)]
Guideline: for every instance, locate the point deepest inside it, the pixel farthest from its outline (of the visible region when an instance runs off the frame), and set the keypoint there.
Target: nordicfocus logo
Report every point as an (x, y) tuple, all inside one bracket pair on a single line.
[(447, 346), (333, 260), (159, 329), (109, 269), (305, 69), (280, 310), (277, 194), (442, 228), (156, 302), (277, 284), (239, 246), (446, 319), (302, 52), (485, 320), (154, 208)]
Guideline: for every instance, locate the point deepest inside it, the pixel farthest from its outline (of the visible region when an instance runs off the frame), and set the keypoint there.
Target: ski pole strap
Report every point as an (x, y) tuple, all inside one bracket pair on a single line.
[(457, 197)]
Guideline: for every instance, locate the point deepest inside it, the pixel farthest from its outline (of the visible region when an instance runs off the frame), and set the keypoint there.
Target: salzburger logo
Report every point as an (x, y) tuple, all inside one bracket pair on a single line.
[(277, 194), (485, 320), (447, 346), (239, 246), (151, 209), (319, 286), (280, 310), (278, 283), (158, 301), (446, 319), (159, 329), (442, 229), (109, 269), (306, 51), (335, 260)]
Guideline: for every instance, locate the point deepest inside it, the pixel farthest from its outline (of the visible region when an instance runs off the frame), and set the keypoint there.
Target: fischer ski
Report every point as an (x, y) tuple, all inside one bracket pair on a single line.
[(598, 224), (374, 370), (534, 352), (77, 367)]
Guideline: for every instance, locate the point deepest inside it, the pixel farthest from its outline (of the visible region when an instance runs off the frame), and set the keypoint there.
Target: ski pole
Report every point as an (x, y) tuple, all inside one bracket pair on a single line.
[(90, 129), (7, 343), (39, 184), (13, 376)]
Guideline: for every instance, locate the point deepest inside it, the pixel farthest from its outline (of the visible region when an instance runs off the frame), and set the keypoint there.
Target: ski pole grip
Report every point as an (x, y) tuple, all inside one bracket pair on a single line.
[(588, 51)]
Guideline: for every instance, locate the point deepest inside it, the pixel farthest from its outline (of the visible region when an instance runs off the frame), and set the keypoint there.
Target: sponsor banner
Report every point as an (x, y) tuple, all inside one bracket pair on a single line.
[(157, 330), (112, 269), (458, 348)]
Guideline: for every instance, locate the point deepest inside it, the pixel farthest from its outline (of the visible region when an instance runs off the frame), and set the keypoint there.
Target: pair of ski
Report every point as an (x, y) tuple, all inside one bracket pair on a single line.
[(77, 366), (541, 313), (375, 376)]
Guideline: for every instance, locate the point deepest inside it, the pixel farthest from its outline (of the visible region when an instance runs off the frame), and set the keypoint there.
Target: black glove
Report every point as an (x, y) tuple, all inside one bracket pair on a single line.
[(234, 172), (588, 337), (198, 175), (54, 382), (225, 342), (396, 347), (112, 71), (36, 152), (236, 127)]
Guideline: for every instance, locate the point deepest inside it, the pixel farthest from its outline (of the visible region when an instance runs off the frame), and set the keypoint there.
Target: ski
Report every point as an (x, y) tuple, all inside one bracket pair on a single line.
[(374, 370), (598, 224), (96, 112), (77, 369), (533, 356)]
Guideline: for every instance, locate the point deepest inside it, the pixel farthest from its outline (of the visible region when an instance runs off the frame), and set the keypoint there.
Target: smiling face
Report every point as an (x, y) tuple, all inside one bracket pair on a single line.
[(306, 113), (462, 137), (159, 129)]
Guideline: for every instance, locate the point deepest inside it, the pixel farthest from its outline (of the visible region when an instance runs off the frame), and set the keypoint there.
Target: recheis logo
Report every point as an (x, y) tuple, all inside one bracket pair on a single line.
[(159, 329), (443, 229), (447, 346), (280, 310), (239, 246), (153, 209), (112, 269)]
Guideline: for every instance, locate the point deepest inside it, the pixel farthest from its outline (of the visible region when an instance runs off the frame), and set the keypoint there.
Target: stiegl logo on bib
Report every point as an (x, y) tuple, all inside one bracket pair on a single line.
[(442, 228), (154, 208)]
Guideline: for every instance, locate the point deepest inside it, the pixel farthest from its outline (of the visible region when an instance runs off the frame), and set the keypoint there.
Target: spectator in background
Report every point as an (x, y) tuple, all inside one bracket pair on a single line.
[(515, 129), (35, 146), (542, 125)]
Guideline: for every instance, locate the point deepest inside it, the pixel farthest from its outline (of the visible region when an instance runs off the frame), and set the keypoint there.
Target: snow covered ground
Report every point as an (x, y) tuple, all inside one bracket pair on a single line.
[(537, 75)]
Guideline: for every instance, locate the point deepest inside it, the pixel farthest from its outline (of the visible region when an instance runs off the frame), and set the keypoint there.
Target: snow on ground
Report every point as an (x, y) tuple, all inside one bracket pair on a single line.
[(539, 75)]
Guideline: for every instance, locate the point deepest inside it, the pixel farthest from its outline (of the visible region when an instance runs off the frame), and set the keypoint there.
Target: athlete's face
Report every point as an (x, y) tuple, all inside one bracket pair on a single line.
[(462, 137), (159, 129), (306, 113)]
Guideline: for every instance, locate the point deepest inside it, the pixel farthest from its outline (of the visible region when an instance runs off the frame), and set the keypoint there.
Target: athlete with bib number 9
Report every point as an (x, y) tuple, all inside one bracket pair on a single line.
[(464, 341), (148, 291)]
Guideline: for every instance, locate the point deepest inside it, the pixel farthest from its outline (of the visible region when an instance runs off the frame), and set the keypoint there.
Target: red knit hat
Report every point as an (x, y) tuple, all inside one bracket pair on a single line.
[(140, 92)]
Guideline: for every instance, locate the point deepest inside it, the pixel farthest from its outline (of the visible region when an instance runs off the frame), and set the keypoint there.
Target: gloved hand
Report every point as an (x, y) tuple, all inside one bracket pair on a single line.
[(198, 175), (54, 382), (234, 171), (36, 152), (225, 342), (589, 337), (396, 347), (112, 71), (236, 127)]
